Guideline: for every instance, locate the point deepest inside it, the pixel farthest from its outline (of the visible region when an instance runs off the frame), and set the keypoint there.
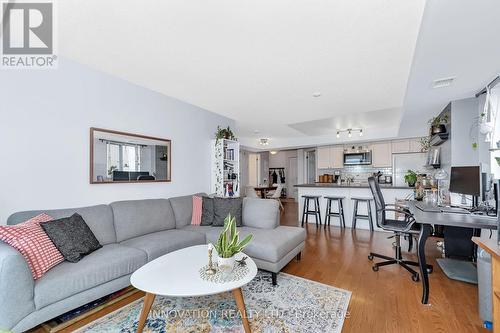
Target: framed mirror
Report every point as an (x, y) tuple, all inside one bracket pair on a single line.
[(119, 157)]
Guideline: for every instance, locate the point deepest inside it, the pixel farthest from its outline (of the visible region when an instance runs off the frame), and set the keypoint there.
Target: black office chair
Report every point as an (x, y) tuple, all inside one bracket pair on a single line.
[(399, 227)]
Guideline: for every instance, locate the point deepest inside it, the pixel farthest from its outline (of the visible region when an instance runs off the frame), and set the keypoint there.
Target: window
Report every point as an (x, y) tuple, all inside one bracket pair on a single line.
[(123, 157)]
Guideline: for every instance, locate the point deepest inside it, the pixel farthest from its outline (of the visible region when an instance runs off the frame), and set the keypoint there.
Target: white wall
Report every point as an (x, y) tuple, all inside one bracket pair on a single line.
[(48, 113)]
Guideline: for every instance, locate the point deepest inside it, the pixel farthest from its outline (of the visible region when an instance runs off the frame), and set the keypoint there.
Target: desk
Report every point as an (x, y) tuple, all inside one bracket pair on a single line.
[(264, 189), (491, 246), (427, 219)]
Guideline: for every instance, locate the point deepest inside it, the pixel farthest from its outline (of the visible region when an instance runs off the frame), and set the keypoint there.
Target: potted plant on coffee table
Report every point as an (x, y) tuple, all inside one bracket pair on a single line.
[(228, 244)]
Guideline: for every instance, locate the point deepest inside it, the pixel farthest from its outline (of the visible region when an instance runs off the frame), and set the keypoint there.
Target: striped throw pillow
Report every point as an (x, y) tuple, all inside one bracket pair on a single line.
[(33, 243), (197, 210)]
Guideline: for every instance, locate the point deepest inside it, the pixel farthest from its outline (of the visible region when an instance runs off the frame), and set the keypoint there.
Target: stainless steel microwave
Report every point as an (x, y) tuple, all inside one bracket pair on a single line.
[(358, 158)]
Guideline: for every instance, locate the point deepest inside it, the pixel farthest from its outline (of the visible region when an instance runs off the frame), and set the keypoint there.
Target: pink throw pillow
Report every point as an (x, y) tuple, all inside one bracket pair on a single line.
[(197, 209), (33, 243)]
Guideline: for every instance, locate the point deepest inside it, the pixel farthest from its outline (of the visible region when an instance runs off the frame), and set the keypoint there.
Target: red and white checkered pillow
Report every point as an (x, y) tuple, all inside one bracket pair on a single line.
[(197, 210), (33, 243)]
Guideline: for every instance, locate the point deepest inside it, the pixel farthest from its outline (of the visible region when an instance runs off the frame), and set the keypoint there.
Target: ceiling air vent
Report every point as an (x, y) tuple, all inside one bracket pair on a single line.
[(441, 83)]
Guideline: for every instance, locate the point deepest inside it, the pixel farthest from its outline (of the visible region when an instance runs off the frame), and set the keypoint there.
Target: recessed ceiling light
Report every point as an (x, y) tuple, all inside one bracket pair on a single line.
[(444, 82), (316, 94)]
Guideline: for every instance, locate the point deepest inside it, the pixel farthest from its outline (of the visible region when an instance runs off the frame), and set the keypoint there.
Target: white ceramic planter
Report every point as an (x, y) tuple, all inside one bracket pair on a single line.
[(226, 263)]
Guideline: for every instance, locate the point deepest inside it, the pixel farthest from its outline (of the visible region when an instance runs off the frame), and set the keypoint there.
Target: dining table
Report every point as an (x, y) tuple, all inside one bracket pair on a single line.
[(264, 189)]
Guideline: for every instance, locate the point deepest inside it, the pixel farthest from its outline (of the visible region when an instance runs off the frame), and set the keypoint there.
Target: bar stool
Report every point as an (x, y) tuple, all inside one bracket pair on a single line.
[(339, 213), (315, 212), (356, 216)]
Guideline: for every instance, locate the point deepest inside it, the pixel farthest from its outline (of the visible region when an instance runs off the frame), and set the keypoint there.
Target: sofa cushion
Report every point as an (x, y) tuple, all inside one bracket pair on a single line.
[(106, 264), (183, 208), (72, 237), (225, 206), (99, 219), (163, 242), (135, 218), (33, 243), (260, 213), (207, 211), (207, 231)]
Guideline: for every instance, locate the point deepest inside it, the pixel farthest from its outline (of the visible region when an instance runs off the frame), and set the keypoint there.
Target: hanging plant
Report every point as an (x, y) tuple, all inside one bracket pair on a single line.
[(438, 124)]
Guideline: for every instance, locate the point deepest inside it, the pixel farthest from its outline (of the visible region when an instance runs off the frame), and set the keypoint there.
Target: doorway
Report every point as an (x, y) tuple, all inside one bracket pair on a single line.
[(292, 178), (253, 170), (311, 166)]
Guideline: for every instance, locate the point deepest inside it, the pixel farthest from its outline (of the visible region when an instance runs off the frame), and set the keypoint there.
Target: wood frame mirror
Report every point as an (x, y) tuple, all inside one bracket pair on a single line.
[(120, 157)]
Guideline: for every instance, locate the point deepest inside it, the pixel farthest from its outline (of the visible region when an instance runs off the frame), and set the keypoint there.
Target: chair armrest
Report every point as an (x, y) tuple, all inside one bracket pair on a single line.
[(409, 219), (16, 287)]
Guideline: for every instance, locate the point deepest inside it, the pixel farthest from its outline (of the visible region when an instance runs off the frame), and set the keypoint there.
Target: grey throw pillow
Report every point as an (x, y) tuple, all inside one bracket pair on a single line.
[(72, 237), (207, 211), (225, 206)]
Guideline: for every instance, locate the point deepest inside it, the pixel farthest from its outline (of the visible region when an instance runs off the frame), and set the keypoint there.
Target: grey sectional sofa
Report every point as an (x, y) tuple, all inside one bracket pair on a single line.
[(132, 233)]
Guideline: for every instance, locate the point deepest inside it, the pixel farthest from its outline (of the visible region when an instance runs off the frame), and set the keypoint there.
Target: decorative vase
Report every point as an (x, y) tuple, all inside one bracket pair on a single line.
[(226, 264), (411, 184)]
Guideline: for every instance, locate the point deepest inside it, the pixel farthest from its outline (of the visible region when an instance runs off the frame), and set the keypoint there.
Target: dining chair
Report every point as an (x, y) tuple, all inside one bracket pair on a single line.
[(276, 195)]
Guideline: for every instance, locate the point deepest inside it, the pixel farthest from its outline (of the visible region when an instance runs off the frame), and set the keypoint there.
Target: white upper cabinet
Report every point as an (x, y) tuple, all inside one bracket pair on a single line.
[(337, 156), (415, 146), (381, 154), (323, 158), (330, 157), (401, 146)]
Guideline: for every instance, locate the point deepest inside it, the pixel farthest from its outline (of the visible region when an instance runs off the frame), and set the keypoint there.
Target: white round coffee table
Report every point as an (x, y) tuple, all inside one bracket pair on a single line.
[(176, 274)]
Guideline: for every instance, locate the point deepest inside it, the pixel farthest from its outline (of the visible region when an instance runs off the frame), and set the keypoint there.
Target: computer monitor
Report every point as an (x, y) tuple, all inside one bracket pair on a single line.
[(466, 180)]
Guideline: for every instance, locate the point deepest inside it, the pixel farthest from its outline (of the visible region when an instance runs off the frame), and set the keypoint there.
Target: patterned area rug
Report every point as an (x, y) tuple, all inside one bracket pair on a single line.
[(295, 305)]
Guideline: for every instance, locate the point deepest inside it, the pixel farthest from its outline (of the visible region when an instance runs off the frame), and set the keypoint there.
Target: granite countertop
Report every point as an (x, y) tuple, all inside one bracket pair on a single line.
[(354, 185)]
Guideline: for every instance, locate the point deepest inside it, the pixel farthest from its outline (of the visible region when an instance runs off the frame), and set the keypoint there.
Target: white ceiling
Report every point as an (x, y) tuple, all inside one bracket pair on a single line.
[(458, 38), (258, 62)]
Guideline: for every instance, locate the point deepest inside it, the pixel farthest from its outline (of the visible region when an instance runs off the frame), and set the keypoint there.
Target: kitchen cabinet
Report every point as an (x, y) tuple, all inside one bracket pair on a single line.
[(415, 146), (337, 156), (401, 146), (330, 157), (382, 154), (323, 158)]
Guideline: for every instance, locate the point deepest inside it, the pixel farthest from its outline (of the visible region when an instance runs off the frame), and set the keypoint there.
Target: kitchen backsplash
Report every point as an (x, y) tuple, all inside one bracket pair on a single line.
[(359, 173)]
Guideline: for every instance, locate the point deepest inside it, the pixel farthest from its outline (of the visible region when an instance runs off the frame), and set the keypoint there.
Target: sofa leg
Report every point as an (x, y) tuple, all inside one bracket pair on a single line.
[(274, 277), (299, 256)]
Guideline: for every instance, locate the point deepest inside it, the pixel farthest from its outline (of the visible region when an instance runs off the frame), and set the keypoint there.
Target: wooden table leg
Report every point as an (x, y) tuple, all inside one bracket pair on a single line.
[(148, 302), (238, 296), (425, 230)]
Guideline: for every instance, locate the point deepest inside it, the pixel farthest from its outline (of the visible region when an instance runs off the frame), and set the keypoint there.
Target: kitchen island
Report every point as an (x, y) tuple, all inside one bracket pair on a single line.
[(391, 195)]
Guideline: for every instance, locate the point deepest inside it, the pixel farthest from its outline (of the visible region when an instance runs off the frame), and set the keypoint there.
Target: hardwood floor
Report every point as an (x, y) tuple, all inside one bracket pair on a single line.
[(387, 300), (383, 301)]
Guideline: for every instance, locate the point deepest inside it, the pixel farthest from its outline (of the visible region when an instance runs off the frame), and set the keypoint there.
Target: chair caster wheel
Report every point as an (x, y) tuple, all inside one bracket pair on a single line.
[(430, 270), (375, 268), (370, 257), (415, 278)]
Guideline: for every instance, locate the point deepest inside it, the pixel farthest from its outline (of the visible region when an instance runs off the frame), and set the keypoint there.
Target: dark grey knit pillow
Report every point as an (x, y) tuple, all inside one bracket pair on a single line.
[(225, 206), (72, 237), (207, 211)]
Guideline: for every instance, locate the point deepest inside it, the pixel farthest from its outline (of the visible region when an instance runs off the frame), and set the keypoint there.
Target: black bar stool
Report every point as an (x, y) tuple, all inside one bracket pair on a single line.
[(315, 212), (339, 213), (356, 216)]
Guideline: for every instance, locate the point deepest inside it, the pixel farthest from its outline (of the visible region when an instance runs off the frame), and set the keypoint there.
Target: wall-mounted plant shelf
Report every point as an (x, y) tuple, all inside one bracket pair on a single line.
[(438, 139)]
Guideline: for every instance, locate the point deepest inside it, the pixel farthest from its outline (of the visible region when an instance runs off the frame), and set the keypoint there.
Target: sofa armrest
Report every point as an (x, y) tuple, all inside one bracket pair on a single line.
[(16, 287), (261, 213)]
